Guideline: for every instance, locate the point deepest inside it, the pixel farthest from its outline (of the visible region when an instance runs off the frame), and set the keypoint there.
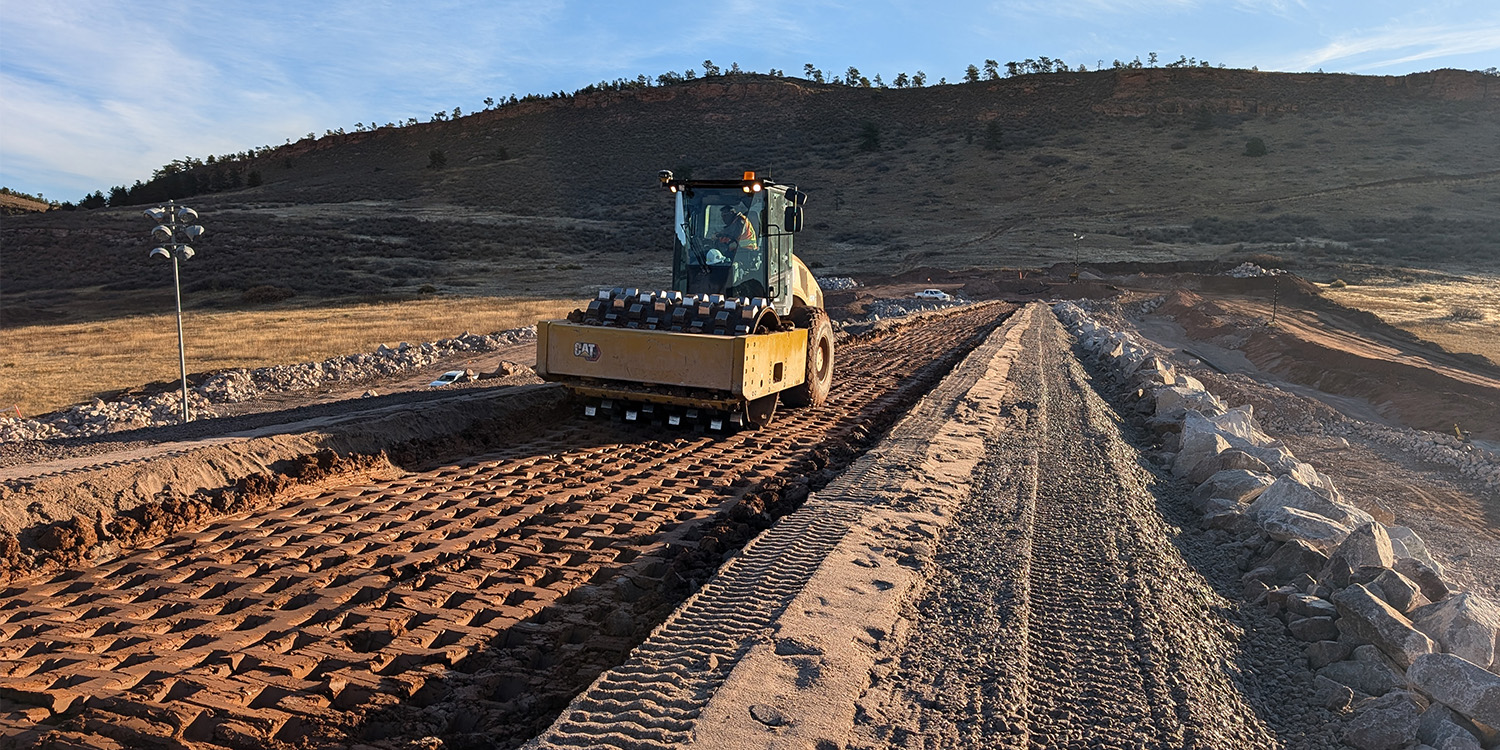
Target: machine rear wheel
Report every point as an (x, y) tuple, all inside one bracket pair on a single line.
[(819, 381)]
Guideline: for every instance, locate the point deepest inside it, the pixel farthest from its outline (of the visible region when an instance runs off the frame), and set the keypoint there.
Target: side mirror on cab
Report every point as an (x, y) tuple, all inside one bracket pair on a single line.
[(793, 219)]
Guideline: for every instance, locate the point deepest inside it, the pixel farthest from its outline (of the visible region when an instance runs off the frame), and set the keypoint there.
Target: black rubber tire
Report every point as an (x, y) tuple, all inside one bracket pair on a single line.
[(819, 377)]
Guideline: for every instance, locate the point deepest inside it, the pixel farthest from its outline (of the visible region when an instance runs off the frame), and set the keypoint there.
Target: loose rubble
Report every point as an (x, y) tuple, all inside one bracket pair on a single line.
[(1379, 618), (899, 307), (232, 386), (1250, 270), (837, 283)]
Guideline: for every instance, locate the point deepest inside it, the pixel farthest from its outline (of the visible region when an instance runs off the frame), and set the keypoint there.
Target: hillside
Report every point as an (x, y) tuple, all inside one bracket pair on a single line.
[(556, 197)]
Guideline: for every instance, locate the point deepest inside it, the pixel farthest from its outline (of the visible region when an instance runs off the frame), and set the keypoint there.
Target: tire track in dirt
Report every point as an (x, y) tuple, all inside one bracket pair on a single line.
[(1088, 651), (1062, 615), (287, 624), (654, 699)]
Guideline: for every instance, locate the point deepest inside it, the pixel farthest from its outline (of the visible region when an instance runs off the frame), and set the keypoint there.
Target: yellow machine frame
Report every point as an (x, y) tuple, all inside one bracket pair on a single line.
[(698, 370)]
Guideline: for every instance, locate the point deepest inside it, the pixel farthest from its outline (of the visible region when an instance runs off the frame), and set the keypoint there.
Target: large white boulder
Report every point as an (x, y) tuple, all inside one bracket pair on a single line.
[(1175, 401), (1367, 676), (1466, 625), (1398, 591), (1406, 544), (1195, 447), (1292, 560), (1433, 586), (1441, 729), (1366, 546), (1458, 684), (1240, 485), (1285, 524), (1286, 492), (1154, 371), (1387, 723), (1239, 422), (1233, 458), (1377, 622), (1281, 462)]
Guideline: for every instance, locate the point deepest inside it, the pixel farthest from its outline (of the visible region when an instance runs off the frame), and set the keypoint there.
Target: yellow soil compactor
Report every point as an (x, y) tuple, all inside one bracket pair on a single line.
[(742, 327)]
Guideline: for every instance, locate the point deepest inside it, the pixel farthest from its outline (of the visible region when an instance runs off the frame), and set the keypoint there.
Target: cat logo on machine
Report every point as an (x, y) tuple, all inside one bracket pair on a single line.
[(590, 352)]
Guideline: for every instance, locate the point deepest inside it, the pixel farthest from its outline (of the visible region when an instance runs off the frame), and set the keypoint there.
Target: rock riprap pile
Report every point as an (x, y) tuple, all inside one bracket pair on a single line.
[(1416, 659), (1250, 270), (837, 283), (895, 308), (232, 386), (1469, 459)]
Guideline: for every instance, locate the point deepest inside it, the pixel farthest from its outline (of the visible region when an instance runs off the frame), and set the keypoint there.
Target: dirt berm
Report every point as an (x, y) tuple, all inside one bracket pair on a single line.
[(54, 514)]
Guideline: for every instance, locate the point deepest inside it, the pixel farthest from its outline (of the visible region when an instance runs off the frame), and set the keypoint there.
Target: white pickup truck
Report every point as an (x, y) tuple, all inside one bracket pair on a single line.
[(936, 294)]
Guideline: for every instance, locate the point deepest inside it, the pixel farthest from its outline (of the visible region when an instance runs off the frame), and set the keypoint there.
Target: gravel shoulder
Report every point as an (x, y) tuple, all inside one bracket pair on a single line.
[(1068, 607)]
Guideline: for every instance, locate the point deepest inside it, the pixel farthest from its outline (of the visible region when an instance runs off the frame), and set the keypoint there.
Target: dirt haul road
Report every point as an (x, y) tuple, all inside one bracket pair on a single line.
[(468, 599), (998, 572)]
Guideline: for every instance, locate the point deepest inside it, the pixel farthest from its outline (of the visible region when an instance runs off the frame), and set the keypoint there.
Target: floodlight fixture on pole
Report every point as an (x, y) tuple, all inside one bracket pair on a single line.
[(174, 220)]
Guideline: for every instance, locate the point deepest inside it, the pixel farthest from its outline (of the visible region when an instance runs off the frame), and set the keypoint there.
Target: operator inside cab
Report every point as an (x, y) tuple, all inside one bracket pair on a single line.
[(726, 228), (736, 231)]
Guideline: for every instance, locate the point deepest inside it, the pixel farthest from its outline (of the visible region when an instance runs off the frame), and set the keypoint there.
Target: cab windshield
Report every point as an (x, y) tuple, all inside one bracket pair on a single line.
[(720, 233)]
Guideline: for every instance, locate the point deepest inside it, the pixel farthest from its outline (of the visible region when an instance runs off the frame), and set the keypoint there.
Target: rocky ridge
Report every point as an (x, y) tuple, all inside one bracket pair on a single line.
[(1388, 636)]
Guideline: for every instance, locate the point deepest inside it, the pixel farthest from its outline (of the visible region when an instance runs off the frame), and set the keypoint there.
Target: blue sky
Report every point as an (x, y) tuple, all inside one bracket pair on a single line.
[(95, 94)]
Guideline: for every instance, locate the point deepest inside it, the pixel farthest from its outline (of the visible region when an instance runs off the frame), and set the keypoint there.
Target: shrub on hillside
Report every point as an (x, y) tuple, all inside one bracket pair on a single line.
[(1466, 314), (994, 136), (265, 294), (1255, 147), (1203, 119)]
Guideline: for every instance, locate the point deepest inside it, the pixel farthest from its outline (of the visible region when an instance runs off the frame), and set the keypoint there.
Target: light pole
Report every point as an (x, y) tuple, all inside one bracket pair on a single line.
[(173, 227), (1073, 277)]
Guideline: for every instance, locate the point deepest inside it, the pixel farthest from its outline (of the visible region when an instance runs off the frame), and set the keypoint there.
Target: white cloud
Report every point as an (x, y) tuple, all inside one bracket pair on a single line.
[(1390, 47), (1090, 10), (1282, 8)]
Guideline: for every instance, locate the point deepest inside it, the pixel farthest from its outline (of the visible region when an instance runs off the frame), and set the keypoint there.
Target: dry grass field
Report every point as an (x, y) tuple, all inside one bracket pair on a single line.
[(1459, 313), (44, 368)]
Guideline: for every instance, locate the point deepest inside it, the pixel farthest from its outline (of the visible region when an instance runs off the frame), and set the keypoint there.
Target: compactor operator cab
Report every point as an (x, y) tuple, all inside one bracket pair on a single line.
[(734, 237)]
